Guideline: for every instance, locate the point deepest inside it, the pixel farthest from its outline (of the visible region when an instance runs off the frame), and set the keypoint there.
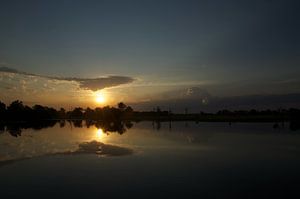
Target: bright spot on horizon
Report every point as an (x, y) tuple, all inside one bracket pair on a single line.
[(99, 133), (100, 98)]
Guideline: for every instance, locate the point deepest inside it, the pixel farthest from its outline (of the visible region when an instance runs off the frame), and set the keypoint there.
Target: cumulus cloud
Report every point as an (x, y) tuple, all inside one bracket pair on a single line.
[(93, 84)]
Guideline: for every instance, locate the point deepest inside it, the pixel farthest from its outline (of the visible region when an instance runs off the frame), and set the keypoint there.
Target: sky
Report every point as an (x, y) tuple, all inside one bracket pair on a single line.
[(68, 53)]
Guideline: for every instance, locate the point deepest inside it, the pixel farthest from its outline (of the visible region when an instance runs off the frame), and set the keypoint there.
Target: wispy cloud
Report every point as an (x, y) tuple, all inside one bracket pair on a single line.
[(92, 84)]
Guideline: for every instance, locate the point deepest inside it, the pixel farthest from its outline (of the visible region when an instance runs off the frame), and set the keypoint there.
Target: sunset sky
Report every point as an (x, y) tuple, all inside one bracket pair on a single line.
[(90, 53)]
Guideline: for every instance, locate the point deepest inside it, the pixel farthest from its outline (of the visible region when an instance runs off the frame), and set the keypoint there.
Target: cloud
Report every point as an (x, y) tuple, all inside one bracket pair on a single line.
[(103, 82), (92, 84), (244, 102)]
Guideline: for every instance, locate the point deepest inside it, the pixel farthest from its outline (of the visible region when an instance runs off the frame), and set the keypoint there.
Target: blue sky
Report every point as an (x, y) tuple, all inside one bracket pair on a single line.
[(225, 47)]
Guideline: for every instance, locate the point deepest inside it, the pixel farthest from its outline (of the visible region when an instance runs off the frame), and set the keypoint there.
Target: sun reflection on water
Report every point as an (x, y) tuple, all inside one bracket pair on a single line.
[(99, 134)]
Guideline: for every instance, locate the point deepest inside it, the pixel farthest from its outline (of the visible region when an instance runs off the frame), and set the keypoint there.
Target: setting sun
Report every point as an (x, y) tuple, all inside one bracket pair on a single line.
[(100, 98)]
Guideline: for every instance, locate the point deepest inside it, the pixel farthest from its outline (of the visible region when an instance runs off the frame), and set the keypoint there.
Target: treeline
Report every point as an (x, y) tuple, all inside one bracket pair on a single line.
[(121, 112), (17, 111), (279, 115), (253, 115)]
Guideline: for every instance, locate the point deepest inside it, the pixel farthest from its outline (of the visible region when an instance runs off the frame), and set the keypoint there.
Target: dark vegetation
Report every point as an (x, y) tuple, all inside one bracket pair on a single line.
[(121, 115), (17, 111)]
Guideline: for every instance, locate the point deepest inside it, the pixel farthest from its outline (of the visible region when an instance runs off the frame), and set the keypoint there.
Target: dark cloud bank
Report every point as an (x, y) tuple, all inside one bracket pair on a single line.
[(93, 84), (195, 100)]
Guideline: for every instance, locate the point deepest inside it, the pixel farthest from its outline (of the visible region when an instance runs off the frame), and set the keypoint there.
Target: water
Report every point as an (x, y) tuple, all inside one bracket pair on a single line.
[(151, 160)]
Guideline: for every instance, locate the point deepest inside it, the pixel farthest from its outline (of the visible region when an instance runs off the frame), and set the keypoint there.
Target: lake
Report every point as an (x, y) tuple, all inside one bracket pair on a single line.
[(150, 160)]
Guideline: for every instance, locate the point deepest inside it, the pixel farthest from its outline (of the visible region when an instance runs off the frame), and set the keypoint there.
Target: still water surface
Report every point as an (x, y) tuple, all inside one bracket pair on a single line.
[(152, 160)]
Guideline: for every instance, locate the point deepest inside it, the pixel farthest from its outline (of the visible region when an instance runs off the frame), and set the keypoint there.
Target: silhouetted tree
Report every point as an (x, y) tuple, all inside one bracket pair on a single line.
[(16, 110), (129, 109), (158, 109), (122, 106), (61, 113), (77, 113), (128, 113), (41, 112), (89, 113), (2, 110), (98, 113)]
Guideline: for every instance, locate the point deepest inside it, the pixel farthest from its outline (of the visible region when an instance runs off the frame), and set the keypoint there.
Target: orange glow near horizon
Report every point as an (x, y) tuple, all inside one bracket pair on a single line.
[(100, 98)]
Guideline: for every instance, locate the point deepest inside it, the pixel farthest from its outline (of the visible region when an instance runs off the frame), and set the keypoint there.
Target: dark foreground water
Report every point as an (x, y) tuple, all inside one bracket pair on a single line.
[(150, 160)]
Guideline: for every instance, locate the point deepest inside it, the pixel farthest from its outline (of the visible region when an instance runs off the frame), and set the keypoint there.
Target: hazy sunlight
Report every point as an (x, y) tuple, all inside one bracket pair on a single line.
[(99, 133), (100, 98)]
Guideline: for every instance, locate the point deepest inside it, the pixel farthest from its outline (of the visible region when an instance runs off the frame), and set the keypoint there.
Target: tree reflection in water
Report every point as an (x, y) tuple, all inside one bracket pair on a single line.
[(15, 128), (115, 126), (107, 126)]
